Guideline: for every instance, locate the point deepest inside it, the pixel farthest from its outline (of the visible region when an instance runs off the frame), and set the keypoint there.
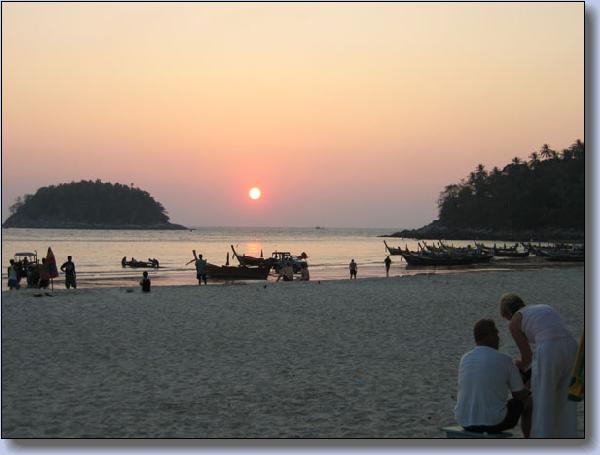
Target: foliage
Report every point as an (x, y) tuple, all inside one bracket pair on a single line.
[(547, 191), (91, 203)]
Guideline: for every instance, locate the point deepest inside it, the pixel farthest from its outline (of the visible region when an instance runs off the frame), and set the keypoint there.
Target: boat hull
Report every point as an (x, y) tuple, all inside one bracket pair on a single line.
[(424, 260), (237, 273)]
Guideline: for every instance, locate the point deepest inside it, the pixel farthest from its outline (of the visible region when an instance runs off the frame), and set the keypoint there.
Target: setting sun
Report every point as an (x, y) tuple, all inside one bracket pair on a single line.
[(254, 193)]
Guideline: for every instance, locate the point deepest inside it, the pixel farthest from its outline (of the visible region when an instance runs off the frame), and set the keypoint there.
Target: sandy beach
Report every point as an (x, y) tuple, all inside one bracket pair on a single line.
[(372, 358)]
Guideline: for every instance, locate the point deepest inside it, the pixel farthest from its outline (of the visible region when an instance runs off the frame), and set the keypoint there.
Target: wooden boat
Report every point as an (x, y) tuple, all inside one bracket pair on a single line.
[(566, 256), (507, 252), (445, 255), (236, 272), (249, 261), (511, 253), (441, 260), (566, 249), (394, 251), (138, 264)]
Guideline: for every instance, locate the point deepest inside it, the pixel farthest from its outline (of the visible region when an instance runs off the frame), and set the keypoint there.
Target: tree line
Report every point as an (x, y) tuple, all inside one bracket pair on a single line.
[(91, 203), (547, 190)]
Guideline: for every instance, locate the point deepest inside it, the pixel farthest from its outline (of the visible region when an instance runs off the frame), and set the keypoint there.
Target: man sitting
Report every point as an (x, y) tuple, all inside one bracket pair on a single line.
[(485, 377)]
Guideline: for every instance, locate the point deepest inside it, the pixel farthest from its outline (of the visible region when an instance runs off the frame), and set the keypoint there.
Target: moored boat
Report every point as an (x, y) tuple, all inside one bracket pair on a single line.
[(441, 260), (565, 256), (445, 255), (135, 264), (250, 261), (393, 250), (237, 272)]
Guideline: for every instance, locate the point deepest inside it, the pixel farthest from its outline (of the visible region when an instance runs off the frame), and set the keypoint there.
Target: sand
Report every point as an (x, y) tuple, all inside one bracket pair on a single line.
[(374, 358)]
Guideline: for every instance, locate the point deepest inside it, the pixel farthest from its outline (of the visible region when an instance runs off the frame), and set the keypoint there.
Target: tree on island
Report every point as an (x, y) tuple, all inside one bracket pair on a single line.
[(89, 204), (523, 195), (543, 197)]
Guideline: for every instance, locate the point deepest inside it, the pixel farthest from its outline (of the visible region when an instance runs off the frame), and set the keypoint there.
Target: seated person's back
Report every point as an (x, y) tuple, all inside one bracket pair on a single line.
[(485, 379)]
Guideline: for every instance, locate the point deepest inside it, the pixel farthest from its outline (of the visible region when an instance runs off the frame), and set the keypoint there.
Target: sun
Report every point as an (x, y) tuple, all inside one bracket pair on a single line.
[(254, 193)]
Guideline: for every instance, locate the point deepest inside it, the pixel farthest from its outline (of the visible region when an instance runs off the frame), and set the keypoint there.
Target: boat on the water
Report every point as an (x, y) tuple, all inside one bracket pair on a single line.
[(236, 272), (250, 261), (414, 258), (443, 255), (135, 264), (394, 251), (559, 252), (507, 252), (565, 256)]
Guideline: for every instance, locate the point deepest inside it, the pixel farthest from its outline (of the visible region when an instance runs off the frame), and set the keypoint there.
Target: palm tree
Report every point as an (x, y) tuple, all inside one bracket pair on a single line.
[(534, 159), (546, 152), (516, 161), (567, 154)]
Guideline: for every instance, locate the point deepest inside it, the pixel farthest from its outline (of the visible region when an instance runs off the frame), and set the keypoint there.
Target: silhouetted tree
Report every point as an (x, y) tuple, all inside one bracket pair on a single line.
[(550, 193)]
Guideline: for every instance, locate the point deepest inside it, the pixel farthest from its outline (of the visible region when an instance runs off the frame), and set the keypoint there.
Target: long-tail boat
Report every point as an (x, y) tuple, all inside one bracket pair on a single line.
[(139, 264), (444, 255), (507, 252), (566, 256), (394, 251), (237, 272), (250, 261)]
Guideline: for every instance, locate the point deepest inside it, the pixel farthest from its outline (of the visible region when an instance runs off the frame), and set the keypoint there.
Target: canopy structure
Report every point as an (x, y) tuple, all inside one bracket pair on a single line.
[(25, 254)]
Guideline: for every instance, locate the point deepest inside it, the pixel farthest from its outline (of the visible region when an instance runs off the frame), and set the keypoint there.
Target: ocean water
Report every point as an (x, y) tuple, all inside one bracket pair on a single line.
[(97, 253)]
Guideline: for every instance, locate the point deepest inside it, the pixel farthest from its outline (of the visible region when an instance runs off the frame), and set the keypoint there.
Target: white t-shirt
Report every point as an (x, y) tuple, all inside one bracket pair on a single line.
[(485, 376)]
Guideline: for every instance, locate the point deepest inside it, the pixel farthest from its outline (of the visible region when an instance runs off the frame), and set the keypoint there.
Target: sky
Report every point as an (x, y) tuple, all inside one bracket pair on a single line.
[(344, 115)]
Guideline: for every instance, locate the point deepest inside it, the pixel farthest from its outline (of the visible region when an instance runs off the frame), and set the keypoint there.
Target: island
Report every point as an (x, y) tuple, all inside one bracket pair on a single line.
[(89, 205), (541, 199)]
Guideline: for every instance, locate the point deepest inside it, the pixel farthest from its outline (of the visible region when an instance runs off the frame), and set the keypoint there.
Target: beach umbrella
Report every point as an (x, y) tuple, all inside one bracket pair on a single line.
[(51, 264), (227, 261)]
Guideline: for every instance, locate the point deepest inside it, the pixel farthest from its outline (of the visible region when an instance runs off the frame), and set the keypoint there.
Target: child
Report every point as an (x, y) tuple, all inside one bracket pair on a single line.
[(145, 282)]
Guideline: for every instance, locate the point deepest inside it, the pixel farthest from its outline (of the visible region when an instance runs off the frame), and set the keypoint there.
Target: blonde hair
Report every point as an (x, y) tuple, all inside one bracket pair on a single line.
[(510, 304)]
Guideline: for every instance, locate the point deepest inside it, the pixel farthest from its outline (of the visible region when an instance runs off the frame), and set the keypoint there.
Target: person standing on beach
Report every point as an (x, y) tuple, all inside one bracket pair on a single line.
[(145, 282), (485, 376), (200, 268), (69, 269), (388, 264), (304, 274), (353, 269), (13, 276), (554, 416), (44, 274)]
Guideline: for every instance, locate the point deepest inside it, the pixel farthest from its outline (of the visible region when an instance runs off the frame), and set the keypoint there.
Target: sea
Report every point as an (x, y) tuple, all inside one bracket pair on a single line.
[(97, 253)]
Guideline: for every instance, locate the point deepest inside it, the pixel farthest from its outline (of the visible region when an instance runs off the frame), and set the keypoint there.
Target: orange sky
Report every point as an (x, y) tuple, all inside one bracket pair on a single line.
[(343, 114)]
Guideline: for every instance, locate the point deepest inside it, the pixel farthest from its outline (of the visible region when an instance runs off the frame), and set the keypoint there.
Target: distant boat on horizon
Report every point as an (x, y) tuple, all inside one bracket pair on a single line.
[(319, 227)]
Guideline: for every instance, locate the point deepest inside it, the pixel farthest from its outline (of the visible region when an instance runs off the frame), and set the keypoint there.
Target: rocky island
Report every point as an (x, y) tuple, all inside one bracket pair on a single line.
[(89, 205)]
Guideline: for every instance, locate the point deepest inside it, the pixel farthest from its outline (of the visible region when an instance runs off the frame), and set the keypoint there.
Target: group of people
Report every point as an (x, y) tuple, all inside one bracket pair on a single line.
[(286, 272), (38, 275), (538, 381)]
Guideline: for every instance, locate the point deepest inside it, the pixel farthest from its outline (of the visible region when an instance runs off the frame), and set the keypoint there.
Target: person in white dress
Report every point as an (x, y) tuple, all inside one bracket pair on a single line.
[(549, 349)]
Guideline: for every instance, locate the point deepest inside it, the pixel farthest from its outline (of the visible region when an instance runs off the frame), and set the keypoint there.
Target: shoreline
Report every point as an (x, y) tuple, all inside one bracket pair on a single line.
[(373, 357), (179, 277)]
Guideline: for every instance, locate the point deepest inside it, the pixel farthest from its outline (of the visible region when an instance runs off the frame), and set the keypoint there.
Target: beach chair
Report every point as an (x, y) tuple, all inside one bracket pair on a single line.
[(458, 432)]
